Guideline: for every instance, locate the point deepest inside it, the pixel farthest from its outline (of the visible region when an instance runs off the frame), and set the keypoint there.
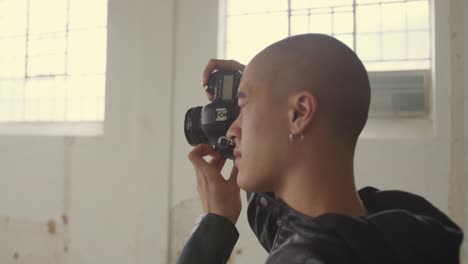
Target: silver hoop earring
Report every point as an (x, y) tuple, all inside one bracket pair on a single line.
[(291, 137)]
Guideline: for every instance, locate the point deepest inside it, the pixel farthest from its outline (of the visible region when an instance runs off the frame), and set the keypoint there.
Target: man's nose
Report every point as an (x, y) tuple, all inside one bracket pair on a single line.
[(234, 130)]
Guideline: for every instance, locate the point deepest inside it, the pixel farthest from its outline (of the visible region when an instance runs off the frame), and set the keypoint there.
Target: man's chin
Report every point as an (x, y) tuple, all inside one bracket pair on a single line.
[(250, 185)]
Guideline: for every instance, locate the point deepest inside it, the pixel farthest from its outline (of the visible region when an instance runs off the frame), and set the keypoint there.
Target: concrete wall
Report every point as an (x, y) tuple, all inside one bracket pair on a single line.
[(465, 83), (458, 70), (129, 196), (465, 57), (100, 199)]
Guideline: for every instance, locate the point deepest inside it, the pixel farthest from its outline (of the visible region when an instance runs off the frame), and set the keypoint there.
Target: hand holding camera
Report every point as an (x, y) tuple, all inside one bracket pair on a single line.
[(204, 126)]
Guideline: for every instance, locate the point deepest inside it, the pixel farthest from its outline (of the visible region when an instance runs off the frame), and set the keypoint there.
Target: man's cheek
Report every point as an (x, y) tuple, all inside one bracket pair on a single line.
[(256, 123)]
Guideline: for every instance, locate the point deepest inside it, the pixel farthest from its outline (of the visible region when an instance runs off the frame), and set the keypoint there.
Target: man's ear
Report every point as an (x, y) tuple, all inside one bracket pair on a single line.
[(302, 111)]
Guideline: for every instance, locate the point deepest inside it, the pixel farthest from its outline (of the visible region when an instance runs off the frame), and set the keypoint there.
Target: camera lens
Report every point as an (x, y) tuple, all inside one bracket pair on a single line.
[(192, 127)]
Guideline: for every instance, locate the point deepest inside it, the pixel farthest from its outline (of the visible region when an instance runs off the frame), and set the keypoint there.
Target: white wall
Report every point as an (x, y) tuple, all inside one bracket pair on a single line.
[(465, 82), (465, 62), (465, 57), (112, 189)]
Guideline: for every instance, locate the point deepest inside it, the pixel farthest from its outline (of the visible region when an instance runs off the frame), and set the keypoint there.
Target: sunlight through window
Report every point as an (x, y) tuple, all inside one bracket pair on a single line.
[(387, 34), (52, 60)]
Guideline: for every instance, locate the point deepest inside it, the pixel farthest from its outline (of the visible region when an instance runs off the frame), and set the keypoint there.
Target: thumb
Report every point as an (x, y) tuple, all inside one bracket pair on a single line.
[(197, 154)]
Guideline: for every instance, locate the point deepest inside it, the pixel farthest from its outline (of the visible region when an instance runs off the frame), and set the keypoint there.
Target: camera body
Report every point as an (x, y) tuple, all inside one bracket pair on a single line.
[(209, 124)]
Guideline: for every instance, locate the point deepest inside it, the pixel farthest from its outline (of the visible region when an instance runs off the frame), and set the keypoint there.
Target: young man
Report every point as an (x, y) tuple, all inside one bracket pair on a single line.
[(304, 101)]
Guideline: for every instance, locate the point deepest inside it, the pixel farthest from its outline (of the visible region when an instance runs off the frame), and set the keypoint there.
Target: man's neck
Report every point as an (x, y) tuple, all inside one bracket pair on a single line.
[(323, 186)]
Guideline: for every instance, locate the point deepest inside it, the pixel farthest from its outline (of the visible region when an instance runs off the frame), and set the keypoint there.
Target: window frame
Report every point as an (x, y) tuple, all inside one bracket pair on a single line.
[(429, 73), (60, 122)]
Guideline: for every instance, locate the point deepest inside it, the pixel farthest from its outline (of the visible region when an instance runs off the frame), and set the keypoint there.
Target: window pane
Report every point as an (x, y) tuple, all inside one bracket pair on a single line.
[(254, 32), (86, 50), (299, 25), (13, 17), (244, 6), (7, 88), (12, 57), (393, 17), (46, 17), (373, 1), (53, 64), (388, 33), (5, 110), (346, 39), (38, 99), (368, 46), (394, 46), (368, 18), (86, 98), (343, 23), (11, 67), (47, 44), (235, 28), (17, 101), (306, 4), (34, 82), (321, 23), (12, 47), (46, 54), (95, 12), (419, 45), (418, 15)]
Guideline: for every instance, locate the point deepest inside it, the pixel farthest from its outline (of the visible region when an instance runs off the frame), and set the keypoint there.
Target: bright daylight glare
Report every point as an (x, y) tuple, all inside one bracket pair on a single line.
[(52, 60), (387, 35)]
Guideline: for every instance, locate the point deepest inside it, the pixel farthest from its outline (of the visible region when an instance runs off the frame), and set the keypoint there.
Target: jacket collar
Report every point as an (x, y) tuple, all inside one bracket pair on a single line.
[(286, 214)]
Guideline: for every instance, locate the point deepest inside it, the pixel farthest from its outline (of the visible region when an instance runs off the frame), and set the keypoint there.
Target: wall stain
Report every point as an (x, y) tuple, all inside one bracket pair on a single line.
[(65, 218), (32, 241), (51, 227), (183, 216)]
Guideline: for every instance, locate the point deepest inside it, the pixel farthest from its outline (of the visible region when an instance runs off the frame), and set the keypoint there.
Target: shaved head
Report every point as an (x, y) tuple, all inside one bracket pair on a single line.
[(329, 70), (303, 103)]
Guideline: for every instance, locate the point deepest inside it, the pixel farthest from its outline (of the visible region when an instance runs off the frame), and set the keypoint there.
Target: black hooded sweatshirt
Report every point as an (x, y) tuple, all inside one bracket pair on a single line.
[(400, 228)]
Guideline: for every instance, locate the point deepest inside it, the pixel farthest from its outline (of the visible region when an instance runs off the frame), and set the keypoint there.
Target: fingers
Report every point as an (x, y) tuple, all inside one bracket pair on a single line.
[(218, 162), (197, 154), (219, 65), (203, 168), (233, 178)]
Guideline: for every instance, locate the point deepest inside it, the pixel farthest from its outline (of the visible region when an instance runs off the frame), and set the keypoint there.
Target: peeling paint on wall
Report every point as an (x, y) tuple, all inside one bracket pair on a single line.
[(183, 217), (51, 227), (31, 242), (65, 219)]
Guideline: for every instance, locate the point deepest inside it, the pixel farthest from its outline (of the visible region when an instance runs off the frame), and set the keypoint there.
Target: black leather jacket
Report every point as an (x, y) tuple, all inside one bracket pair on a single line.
[(400, 228)]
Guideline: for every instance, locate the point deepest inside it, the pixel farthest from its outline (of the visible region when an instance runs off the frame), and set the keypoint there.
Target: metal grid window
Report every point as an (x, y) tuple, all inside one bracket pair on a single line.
[(387, 35), (52, 60)]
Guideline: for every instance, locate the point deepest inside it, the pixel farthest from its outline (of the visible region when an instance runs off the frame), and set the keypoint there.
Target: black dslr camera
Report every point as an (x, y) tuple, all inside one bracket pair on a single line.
[(208, 124)]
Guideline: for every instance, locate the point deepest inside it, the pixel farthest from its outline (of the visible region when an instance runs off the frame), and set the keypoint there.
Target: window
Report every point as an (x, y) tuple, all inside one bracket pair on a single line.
[(391, 37), (52, 60)]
